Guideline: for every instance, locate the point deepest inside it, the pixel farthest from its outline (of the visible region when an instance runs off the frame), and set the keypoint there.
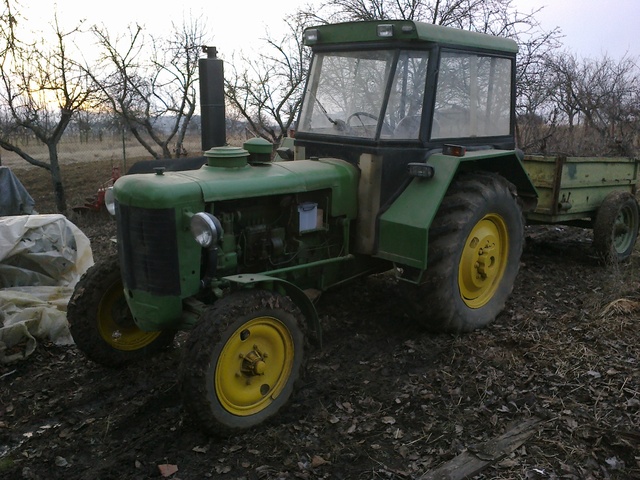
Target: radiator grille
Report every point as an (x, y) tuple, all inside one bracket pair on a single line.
[(148, 249)]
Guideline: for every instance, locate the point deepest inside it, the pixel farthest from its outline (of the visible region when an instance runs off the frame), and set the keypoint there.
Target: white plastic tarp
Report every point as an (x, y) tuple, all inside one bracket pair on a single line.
[(41, 259)]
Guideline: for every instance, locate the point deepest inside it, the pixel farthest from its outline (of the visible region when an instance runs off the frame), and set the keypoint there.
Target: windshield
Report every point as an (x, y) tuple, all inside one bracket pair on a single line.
[(346, 91)]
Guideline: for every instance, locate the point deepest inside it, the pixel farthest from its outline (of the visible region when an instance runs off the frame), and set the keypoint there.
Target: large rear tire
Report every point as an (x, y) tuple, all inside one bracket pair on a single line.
[(615, 229), (101, 323), (475, 244), (242, 361)]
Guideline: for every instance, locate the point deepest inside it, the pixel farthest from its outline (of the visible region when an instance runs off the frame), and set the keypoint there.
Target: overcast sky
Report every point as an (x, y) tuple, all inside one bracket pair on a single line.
[(591, 28)]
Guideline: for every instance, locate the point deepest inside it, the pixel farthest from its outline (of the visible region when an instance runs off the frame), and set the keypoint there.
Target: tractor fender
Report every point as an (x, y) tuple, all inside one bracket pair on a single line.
[(403, 227), (302, 301)]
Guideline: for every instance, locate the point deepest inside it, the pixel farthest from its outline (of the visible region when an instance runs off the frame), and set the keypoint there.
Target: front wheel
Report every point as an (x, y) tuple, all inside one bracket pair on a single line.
[(615, 229), (475, 244), (243, 360), (101, 323)]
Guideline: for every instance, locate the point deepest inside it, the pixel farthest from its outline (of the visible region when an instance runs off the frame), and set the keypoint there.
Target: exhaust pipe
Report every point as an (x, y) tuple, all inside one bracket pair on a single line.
[(212, 117)]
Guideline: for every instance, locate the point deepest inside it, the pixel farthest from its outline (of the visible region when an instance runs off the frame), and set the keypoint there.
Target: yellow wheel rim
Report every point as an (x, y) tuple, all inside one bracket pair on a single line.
[(254, 366), (116, 324), (483, 261)]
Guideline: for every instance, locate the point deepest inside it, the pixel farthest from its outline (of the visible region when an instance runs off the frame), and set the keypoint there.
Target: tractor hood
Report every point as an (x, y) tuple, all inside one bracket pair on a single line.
[(215, 183)]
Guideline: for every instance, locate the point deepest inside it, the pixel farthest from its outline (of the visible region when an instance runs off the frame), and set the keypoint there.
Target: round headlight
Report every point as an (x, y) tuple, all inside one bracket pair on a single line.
[(110, 201), (206, 229)]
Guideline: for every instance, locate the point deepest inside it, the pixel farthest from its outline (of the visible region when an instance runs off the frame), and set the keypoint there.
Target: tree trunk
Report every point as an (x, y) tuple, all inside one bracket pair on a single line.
[(56, 180)]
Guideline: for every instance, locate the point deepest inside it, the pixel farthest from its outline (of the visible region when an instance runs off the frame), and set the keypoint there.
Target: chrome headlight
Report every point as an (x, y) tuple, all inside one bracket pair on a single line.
[(110, 201), (206, 229)]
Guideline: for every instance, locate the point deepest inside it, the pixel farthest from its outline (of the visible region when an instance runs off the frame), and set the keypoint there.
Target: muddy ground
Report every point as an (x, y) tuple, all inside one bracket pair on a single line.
[(382, 398)]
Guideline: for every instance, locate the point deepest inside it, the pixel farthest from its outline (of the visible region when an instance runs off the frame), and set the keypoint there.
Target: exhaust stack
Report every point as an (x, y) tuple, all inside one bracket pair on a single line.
[(212, 117)]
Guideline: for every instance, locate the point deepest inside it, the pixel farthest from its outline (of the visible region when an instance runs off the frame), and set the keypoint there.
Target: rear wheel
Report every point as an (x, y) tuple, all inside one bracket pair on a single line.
[(101, 323), (615, 229), (243, 360), (475, 244)]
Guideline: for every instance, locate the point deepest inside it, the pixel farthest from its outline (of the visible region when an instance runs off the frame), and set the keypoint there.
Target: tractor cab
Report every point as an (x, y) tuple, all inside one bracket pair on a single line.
[(401, 83)]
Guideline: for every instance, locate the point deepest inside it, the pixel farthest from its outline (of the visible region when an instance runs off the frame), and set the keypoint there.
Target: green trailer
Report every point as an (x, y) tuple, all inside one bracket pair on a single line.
[(588, 192)]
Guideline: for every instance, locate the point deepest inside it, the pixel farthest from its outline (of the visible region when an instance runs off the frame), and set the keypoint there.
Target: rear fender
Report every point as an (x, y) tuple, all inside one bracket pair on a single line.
[(403, 228), (278, 285)]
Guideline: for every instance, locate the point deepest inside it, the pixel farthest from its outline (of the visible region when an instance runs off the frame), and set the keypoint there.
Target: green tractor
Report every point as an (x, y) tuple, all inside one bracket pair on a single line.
[(404, 160)]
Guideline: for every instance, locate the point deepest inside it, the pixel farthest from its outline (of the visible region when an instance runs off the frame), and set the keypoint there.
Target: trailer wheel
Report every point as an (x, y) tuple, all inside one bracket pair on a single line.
[(615, 229), (475, 244), (101, 323), (243, 360)]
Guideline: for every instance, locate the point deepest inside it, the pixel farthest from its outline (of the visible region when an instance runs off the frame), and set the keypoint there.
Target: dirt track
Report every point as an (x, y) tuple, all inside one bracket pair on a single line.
[(382, 399)]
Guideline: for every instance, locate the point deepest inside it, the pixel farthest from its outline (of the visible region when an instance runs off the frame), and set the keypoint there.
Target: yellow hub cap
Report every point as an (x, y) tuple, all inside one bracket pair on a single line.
[(483, 261), (254, 366), (116, 324)]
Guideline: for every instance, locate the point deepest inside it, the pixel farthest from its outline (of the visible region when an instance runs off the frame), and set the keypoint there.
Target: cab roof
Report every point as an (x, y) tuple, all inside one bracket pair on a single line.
[(405, 31)]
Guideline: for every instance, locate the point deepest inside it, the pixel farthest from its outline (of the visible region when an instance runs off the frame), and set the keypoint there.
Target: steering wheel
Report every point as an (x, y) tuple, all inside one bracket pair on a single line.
[(385, 127), (359, 115)]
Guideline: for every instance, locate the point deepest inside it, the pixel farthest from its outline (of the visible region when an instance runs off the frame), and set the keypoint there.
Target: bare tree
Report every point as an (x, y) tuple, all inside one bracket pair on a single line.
[(42, 87), (600, 97), (153, 90), (497, 17), (8, 22), (267, 91)]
